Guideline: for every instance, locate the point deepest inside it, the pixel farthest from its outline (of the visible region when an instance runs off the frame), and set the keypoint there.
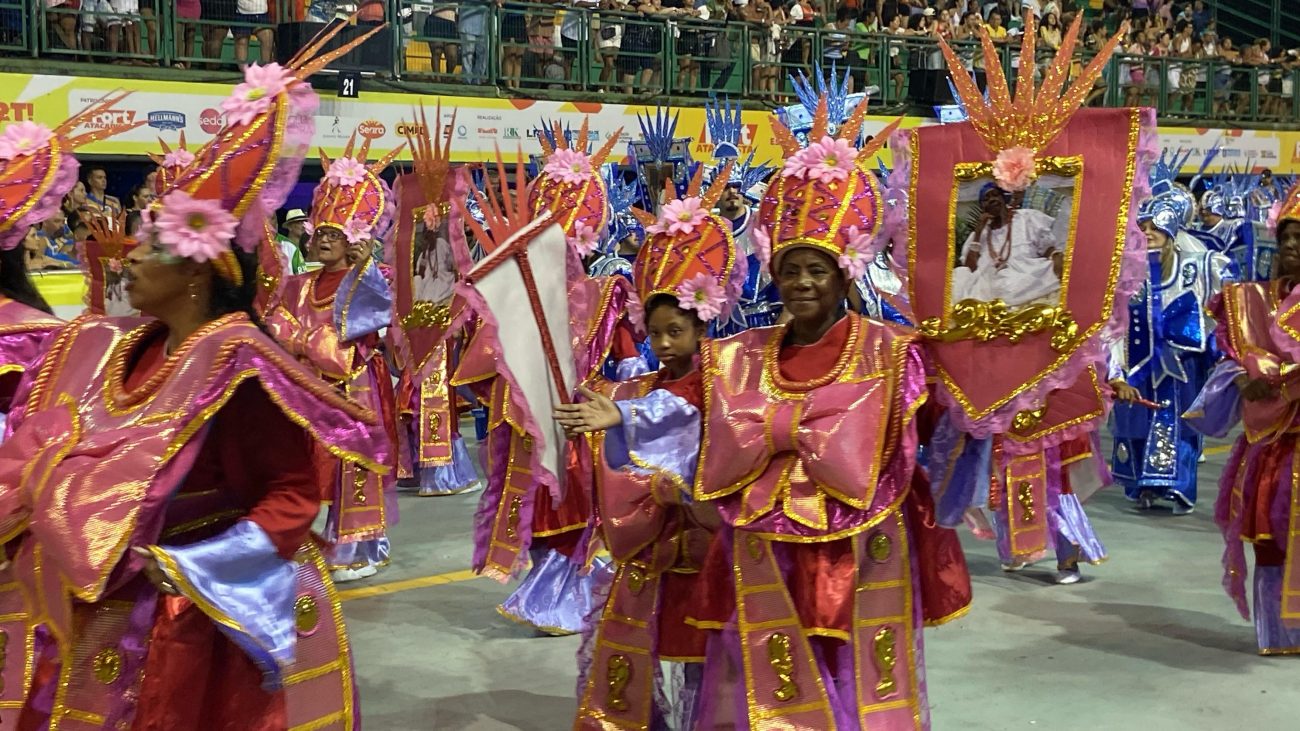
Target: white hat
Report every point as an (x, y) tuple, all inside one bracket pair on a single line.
[(927, 12), (295, 216)]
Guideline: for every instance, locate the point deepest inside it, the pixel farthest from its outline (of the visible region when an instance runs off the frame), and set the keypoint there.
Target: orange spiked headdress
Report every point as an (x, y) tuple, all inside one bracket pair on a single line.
[(1287, 209), (825, 196), (352, 197), (689, 252), (571, 187), (37, 167), (244, 174)]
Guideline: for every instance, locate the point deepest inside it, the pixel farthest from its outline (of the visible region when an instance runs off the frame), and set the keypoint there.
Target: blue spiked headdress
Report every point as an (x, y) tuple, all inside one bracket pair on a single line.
[(623, 196), (725, 128), (658, 148), (798, 118)]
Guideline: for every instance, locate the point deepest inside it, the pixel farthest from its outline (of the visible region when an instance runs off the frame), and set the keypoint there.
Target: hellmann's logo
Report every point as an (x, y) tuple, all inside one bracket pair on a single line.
[(166, 120)]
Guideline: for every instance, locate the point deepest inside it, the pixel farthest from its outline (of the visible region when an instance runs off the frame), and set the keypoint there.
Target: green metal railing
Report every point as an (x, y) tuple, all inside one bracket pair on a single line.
[(567, 52)]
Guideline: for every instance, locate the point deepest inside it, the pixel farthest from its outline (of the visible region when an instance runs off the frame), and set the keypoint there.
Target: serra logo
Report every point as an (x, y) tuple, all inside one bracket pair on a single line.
[(210, 121), (372, 129)]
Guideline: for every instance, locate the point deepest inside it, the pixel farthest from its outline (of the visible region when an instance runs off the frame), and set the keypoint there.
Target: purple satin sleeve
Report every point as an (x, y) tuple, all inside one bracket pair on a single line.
[(630, 368), (364, 303), (659, 432), (1218, 407), (243, 585)]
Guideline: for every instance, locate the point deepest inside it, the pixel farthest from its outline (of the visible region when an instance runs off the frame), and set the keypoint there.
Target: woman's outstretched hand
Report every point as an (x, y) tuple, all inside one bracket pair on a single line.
[(597, 413)]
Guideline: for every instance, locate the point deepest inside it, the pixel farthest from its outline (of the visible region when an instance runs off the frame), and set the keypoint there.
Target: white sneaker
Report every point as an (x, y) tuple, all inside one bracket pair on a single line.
[(1182, 507), (1015, 566), (1068, 576), (1201, 459), (342, 576)]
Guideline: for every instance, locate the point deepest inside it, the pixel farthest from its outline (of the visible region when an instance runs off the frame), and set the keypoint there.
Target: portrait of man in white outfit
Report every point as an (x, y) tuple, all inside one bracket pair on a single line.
[(1014, 254)]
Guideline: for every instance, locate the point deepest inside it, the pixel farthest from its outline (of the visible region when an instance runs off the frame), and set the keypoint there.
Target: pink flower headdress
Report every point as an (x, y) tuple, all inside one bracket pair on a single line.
[(689, 252), (352, 197)]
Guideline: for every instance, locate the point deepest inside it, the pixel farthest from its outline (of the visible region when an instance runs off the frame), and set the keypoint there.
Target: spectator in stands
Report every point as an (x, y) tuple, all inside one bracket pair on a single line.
[(63, 22), (897, 59), (1255, 55), (252, 18), (997, 32), (472, 21), (36, 259), (57, 237), (609, 38), (1200, 16), (1290, 66), (716, 43), (1132, 71), (683, 15), (574, 26), (440, 29), (540, 60), (141, 196), (97, 198), (96, 14), (217, 16), (861, 47), (1049, 34), (514, 41), (639, 57), (187, 15)]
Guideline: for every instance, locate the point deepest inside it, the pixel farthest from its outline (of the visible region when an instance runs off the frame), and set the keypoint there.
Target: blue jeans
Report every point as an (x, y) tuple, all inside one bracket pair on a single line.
[(474, 56)]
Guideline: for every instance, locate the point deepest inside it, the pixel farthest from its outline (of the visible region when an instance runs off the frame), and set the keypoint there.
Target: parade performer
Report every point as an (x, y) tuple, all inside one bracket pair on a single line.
[(184, 440), (827, 562), (1259, 331), (1016, 347), (518, 514), (330, 319), (1160, 367), (37, 169), (1223, 227), (688, 274), (428, 263)]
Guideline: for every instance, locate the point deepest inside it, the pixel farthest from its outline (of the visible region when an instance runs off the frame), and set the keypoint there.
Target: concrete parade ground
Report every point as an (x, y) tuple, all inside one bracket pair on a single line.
[(1147, 642)]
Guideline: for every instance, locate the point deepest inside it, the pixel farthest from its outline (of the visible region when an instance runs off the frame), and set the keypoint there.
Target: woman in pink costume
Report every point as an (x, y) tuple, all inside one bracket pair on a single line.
[(158, 488), (516, 519), (330, 319), (36, 170), (827, 563), (687, 274), (1259, 330)]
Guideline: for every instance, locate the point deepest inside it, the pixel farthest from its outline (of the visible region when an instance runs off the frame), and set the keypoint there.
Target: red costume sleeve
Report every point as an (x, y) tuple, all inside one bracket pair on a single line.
[(943, 577), (624, 343), (265, 460)]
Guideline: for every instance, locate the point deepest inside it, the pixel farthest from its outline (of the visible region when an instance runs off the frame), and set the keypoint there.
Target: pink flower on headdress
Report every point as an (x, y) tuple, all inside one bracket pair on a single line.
[(308, 227), (762, 242), (827, 160), (569, 166), (1014, 169), (681, 216), (115, 266), (584, 239), (356, 231), (855, 258), (178, 159), (195, 228), (431, 218), (703, 294), (258, 92), (24, 138), (346, 172)]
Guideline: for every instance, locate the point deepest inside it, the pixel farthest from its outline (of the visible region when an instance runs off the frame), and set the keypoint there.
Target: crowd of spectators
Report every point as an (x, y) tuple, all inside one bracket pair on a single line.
[(545, 43), (1175, 55)]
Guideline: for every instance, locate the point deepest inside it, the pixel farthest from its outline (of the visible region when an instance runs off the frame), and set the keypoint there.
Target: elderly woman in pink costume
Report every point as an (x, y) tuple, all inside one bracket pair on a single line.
[(330, 319), (1259, 330), (516, 519), (827, 562), (181, 443), (688, 275)]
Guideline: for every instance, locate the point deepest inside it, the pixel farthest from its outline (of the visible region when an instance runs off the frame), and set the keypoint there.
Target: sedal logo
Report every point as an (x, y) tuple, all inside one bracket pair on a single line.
[(210, 121), (372, 129)]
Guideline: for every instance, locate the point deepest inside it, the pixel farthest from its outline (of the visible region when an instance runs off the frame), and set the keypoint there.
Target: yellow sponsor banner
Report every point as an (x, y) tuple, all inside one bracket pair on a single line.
[(481, 125)]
